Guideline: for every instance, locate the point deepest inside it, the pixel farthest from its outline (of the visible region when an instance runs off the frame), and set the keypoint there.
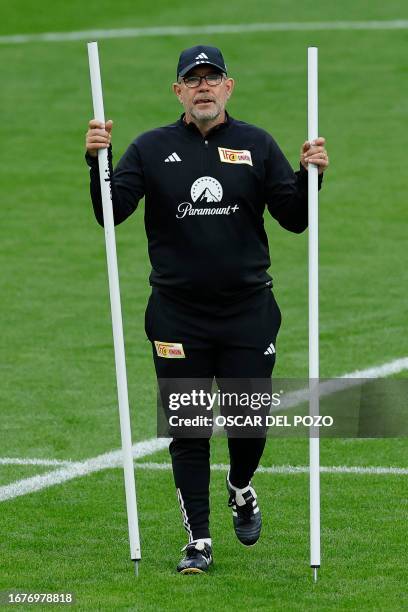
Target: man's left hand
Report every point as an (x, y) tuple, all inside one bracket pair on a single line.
[(314, 153)]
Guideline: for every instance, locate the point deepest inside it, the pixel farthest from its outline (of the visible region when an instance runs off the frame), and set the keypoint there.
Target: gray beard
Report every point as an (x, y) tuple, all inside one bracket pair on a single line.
[(209, 115)]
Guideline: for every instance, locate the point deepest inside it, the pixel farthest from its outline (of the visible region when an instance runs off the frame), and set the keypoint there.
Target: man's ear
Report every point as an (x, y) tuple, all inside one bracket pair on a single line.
[(230, 83), (177, 90)]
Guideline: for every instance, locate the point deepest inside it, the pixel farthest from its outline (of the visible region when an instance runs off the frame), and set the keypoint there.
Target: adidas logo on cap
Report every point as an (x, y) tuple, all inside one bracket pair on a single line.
[(200, 54)]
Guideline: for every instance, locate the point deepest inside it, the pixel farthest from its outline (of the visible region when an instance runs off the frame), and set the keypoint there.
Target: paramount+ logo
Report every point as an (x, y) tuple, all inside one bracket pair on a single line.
[(205, 190)]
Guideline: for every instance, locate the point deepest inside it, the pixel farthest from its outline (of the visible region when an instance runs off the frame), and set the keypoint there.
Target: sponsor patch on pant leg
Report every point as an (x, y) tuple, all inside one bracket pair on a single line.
[(169, 350)]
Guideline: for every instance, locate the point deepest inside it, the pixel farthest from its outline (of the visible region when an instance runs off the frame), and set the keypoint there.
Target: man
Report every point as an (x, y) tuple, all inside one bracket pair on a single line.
[(206, 179)]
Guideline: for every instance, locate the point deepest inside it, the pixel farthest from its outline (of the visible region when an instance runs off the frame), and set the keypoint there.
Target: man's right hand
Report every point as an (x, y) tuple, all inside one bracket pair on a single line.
[(98, 136)]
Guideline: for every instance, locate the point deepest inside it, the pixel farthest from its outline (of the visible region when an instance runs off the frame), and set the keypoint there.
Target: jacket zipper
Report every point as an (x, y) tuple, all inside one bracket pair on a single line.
[(205, 157)]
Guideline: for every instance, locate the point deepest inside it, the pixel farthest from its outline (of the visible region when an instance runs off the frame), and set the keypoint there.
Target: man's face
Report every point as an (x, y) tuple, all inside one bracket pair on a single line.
[(205, 102)]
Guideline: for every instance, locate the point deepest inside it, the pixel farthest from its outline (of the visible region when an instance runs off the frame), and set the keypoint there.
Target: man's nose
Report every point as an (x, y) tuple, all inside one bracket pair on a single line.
[(203, 85)]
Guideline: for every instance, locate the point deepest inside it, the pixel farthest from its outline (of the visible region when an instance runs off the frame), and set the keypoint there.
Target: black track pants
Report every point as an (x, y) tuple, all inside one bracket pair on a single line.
[(229, 342)]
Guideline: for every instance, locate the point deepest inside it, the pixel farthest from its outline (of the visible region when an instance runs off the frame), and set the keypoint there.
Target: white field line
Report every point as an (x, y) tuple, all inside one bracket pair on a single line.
[(47, 462), (79, 468), (239, 28), (148, 447), (346, 381), (294, 469)]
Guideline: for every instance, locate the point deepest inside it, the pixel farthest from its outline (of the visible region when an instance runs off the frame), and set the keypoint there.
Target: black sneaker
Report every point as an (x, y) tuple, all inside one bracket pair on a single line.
[(197, 558), (246, 516)]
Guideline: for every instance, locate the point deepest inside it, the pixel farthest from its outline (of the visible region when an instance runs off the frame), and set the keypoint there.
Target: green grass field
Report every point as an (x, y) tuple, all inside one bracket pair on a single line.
[(58, 388)]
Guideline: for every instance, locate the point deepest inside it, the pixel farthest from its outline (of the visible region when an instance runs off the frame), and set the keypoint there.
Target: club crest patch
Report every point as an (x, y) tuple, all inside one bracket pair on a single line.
[(235, 156), (169, 350)]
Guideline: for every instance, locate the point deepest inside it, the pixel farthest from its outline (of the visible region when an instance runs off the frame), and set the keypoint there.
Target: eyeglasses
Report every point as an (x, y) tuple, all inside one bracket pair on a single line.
[(211, 79)]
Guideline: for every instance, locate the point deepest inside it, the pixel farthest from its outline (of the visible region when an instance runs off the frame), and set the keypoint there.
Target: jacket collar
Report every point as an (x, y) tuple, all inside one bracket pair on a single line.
[(193, 128)]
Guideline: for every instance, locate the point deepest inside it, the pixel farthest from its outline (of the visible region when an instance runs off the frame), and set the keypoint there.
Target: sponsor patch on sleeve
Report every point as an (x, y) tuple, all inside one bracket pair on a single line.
[(235, 156), (169, 350)]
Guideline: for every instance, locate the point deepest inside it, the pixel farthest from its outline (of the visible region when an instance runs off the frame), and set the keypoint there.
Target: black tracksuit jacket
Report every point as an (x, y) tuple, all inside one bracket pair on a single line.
[(203, 214)]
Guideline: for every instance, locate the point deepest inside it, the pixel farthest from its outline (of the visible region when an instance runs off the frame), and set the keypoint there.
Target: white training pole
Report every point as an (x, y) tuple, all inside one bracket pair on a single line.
[(117, 326), (314, 458)]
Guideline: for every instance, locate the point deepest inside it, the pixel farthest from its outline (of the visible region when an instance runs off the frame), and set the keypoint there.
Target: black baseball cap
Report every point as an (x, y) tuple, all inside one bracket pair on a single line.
[(198, 55)]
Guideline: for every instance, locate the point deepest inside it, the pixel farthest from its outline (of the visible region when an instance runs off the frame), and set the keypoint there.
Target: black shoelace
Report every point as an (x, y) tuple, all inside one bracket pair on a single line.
[(192, 552), (244, 511)]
